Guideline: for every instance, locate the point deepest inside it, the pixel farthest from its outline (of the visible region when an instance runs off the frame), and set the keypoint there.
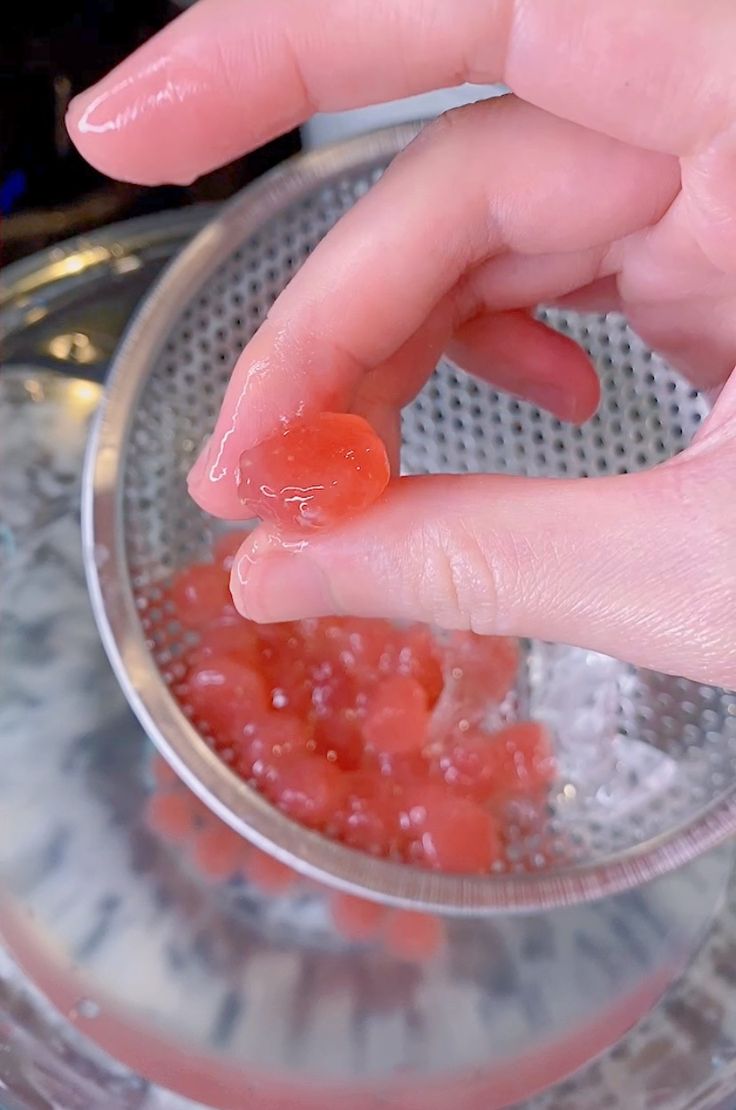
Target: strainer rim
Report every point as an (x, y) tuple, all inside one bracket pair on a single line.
[(165, 723)]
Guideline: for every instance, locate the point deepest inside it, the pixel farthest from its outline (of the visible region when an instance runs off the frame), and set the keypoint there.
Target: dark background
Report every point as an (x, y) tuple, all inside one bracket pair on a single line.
[(47, 192)]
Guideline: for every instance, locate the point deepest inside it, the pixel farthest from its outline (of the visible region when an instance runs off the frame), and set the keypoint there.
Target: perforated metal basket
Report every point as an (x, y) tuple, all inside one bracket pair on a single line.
[(647, 763)]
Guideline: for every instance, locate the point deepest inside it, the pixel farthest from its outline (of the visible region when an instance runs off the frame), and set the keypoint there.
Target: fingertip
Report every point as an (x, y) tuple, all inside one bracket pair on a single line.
[(523, 356), (584, 402), (220, 497), (572, 401), (270, 583), (150, 121)]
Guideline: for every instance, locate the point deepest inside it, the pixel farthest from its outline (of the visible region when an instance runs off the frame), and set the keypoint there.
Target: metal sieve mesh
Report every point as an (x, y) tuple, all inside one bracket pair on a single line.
[(647, 762)]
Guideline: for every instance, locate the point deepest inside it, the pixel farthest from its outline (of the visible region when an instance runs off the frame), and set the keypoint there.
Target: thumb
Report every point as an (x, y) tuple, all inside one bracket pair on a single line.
[(635, 566)]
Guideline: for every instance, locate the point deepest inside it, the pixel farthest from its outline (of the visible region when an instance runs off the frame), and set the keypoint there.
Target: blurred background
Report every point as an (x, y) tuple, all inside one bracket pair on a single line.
[(47, 192)]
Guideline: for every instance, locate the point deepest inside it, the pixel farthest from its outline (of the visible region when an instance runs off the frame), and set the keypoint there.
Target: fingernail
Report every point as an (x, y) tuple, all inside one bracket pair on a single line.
[(280, 586)]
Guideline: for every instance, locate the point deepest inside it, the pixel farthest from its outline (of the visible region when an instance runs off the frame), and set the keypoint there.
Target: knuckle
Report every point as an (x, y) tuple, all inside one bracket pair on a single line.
[(455, 122), (460, 586), (452, 127)]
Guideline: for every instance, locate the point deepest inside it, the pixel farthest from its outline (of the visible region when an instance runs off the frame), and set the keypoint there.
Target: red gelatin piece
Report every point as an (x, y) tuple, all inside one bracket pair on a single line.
[(369, 817), (281, 637), (415, 937), (285, 667), (218, 851), (290, 686), (226, 547), (397, 717), (266, 740), (268, 874), (454, 835), (338, 737), (314, 474), (326, 641), (332, 690), (229, 636), (419, 658), (337, 711), (225, 693), (470, 765), (200, 594), (479, 671), (404, 770), (516, 761), (170, 815), (489, 664), (306, 787), (356, 918), (364, 648), (527, 760)]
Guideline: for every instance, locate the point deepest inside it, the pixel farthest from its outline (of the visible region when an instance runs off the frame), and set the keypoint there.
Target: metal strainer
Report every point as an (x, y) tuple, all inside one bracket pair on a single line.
[(647, 763)]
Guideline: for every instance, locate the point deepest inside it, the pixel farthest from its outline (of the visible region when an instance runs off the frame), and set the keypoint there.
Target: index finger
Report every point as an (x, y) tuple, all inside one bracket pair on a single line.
[(500, 179), (230, 74)]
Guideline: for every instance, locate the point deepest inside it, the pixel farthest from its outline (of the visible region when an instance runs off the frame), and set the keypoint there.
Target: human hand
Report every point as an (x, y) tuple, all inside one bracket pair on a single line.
[(607, 181)]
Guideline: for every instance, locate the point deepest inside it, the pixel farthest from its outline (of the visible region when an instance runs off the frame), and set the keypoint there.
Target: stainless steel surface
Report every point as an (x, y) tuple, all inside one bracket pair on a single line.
[(126, 971), (647, 762), (99, 278)]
